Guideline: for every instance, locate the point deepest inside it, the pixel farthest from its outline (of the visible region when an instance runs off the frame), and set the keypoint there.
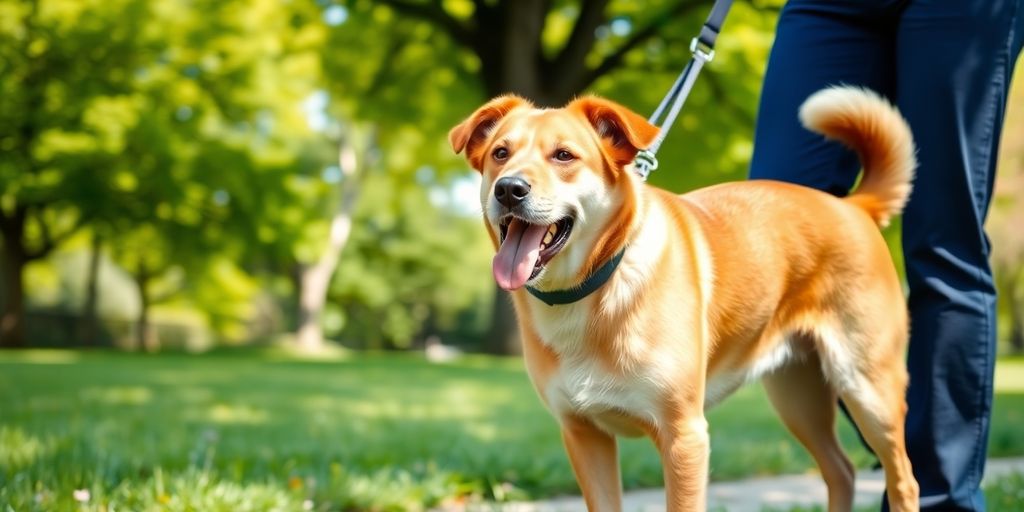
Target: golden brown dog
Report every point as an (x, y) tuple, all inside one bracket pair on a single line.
[(707, 290)]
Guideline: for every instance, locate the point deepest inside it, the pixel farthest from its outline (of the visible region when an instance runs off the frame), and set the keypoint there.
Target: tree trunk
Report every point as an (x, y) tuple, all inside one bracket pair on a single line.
[(503, 336), (145, 337), (520, 53), (12, 323), (88, 325), (1016, 317), (12, 224), (518, 72), (1016, 332), (314, 280), (508, 40)]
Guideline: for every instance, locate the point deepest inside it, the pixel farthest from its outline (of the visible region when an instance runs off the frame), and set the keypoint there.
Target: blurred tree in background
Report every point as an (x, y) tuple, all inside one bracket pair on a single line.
[(170, 172), (1006, 222), (167, 128), (66, 80)]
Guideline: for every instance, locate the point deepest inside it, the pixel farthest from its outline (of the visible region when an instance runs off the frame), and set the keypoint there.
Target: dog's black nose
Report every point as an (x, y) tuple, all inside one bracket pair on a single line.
[(511, 191)]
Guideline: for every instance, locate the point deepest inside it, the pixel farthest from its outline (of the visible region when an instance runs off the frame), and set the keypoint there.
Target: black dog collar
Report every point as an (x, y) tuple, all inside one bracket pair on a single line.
[(588, 286)]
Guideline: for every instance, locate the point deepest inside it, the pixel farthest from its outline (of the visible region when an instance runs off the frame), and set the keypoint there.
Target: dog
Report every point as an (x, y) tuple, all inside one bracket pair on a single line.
[(640, 309)]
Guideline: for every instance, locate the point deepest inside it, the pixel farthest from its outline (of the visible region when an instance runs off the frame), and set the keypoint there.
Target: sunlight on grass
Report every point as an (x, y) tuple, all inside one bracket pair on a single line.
[(19, 449), (243, 431), (118, 395), (240, 414), (44, 356), (1010, 376)]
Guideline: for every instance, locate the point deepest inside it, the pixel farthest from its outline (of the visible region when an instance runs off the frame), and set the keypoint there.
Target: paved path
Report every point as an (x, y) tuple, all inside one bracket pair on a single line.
[(751, 495)]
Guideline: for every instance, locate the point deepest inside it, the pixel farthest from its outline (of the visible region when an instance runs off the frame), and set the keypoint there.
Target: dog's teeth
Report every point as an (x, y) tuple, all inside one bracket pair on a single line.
[(547, 238), (552, 229)]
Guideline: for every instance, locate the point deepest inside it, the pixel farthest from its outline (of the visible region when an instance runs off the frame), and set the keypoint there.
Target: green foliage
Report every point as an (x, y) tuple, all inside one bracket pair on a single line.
[(405, 76), (163, 124), (711, 141), (198, 136), (240, 431), (224, 293), (62, 123), (194, 147), (410, 263)]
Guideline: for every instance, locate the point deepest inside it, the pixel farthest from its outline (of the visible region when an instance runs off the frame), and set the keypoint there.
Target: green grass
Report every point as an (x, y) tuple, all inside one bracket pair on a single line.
[(1006, 493), (387, 432)]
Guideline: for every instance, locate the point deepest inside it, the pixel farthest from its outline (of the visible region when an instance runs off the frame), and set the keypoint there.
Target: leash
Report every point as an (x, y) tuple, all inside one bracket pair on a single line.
[(702, 49)]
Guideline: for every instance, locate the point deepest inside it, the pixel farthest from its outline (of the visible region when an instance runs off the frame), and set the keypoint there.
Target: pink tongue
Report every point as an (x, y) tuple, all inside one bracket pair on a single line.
[(518, 254)]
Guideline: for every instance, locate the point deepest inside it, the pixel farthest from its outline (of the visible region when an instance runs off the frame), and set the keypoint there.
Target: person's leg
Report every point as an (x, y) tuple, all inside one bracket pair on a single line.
[(819, 43), (954, 60)]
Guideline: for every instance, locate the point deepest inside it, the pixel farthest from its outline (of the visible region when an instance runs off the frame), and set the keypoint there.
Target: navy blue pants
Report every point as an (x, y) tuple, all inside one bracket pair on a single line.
[(946, 64)]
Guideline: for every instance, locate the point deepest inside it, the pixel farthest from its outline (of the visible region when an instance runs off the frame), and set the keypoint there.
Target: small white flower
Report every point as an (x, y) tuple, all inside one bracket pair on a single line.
[(81, 495), (307, 505)]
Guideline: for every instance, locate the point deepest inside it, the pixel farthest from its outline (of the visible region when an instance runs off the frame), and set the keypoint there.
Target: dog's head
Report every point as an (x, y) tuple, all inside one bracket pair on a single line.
[(558, 195)]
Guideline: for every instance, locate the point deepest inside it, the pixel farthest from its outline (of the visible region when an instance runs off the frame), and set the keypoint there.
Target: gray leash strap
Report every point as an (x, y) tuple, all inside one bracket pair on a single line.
[(702, 49)]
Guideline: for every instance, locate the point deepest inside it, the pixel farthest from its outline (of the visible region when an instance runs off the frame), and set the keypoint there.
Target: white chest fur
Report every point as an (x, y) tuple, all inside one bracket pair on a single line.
[(585, 385), (581, 386)]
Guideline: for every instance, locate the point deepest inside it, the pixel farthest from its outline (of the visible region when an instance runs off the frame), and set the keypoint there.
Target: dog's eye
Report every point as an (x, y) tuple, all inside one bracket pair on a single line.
[(564, 156), (500, 153)]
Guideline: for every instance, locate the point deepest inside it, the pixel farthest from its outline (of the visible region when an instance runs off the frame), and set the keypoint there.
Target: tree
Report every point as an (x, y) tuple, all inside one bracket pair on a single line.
[(1008, 243), (88, 325), (239, 141), (1004, 222), (54, 124), (146, 255), (112, 115), (508, 38), (551, 51), (412, 269), (315, 278)]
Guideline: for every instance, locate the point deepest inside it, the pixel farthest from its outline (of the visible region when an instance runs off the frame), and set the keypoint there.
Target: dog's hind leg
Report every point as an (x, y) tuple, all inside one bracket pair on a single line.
[(872, 381), (807, 405)]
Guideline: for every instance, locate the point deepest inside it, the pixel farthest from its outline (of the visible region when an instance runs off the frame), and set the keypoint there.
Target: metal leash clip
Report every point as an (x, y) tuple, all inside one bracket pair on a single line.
[(702, 51), (645, 163), (702, 48)]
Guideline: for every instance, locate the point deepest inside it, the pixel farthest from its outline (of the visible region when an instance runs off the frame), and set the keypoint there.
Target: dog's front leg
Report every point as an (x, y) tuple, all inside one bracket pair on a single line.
[(595, 461), (684, 447)]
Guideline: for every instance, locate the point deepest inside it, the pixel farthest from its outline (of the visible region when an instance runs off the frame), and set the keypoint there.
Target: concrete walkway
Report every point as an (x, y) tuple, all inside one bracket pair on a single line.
[(751, 495)]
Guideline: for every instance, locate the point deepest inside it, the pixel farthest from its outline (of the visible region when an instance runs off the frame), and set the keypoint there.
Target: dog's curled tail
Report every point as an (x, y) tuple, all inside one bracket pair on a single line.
[(874, 128)]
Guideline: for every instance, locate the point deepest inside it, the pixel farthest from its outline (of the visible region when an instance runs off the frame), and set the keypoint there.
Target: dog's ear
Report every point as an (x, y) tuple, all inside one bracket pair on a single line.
[(623, 131), (468, 135)]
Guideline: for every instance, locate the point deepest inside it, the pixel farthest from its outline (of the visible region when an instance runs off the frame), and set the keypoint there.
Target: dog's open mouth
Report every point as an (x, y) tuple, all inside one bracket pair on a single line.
[(526, 248)]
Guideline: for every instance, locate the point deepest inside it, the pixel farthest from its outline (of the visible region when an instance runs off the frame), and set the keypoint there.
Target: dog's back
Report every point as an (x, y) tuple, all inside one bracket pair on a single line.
[(828, 249)]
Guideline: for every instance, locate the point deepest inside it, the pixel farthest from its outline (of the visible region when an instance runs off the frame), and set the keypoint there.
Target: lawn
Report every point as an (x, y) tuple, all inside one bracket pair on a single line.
[(248, 431)]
